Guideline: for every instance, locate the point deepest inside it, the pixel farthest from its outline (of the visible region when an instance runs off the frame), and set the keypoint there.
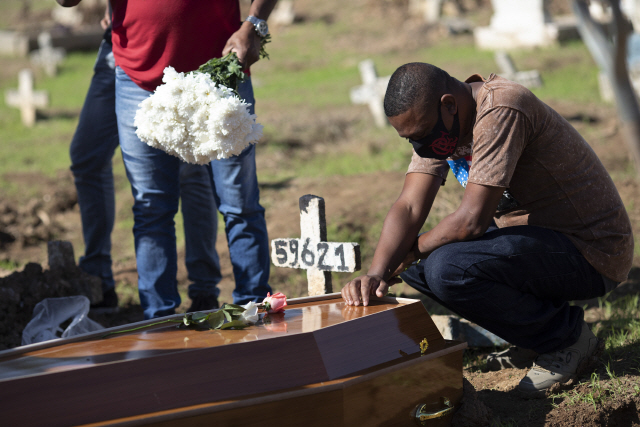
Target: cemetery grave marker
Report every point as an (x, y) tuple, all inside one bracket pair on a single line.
[(371, 92), (528, 79), (26, 98), (13, 43), (283, 13), (312, 251), (70, 17), (48, 57), (430, 10), (515, 24)]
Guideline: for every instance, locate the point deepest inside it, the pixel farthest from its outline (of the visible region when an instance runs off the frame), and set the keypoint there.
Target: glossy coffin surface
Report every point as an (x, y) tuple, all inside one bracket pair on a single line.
[(316, 340)]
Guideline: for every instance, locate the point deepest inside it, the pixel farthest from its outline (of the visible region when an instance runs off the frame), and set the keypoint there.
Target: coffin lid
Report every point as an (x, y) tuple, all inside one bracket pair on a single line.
[(317, 339)]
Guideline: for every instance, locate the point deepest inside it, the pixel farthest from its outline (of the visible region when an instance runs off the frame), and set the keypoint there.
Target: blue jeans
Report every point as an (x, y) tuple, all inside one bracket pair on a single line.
[(92, 149), (515, 282), (154, 181)]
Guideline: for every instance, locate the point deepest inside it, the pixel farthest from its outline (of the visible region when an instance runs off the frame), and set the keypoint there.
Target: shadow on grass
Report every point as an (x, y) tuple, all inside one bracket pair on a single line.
[(52, 114), (630, 287), (275, 185)]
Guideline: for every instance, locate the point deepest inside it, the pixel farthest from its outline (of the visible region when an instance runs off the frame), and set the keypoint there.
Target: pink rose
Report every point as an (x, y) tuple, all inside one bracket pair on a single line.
[(275, 303)]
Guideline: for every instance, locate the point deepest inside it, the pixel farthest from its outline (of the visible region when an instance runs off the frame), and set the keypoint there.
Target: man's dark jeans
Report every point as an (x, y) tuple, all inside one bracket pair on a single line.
[(515, 282)]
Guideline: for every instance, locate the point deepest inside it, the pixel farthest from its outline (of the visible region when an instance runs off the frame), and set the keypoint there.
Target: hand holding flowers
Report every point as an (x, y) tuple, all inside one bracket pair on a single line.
[(198, 116)]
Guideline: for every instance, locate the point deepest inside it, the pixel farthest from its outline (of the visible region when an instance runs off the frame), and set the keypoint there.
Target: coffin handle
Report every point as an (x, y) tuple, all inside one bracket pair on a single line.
[(422, 416)]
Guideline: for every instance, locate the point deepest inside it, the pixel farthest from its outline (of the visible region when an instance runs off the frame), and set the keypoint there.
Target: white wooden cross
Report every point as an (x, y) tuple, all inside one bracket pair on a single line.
[(283, 14), (430, 10), (47, 57), (508, 70), (371, 92), (26, 98), (312, 251)]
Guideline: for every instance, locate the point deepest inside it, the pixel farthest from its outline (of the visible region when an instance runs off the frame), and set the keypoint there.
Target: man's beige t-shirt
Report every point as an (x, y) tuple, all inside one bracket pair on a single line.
[(552, 173)]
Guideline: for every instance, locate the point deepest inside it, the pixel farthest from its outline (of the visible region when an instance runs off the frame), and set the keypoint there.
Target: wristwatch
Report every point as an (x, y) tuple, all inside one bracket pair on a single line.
[(260, 25)]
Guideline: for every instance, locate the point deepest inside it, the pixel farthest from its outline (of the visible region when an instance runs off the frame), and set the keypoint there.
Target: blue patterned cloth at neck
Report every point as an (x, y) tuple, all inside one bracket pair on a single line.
[(460, 169)]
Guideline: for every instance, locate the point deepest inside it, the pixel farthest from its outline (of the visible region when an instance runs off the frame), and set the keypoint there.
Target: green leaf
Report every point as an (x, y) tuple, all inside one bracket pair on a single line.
[(216, 319), (236, 324), (234, 68), (227, 315), (263, 42), (228, 306), (225, 71), (233, 310), (199, 317)]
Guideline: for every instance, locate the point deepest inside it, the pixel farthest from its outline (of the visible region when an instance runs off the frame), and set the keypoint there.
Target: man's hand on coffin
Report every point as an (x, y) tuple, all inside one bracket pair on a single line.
[(359, 289)]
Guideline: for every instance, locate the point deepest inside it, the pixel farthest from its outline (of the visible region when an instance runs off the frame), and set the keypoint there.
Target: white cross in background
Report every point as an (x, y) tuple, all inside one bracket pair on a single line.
[(312, 251), (508, 70), (47, 56), (26, 98), (371, 92)]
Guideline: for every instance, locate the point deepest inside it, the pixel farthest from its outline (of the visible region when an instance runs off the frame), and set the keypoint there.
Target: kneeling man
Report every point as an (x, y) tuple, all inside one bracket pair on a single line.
[(540, 223)]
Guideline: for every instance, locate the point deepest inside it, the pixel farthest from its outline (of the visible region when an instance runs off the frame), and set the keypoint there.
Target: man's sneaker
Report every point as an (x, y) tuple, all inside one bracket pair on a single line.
[(513, 357), (203, 303), (109, 304), (562, 365)]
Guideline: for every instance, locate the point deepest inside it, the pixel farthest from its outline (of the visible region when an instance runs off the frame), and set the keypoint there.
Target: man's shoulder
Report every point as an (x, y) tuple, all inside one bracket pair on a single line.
[(500, 92)]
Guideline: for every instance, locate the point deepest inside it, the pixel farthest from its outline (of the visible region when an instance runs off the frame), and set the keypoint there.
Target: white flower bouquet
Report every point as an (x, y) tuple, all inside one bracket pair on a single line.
[(198, 116)]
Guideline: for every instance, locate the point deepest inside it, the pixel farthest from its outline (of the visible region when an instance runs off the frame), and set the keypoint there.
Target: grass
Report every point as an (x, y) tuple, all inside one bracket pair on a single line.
[(621, 322), (44, 147), (9, 265), (620, 328)]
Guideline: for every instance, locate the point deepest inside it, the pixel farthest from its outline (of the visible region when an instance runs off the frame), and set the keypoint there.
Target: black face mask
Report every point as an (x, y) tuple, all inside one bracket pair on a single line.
[(440, 143)]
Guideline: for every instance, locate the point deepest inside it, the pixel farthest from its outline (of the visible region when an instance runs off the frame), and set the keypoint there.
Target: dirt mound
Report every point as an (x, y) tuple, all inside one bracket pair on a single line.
[(21, 291), (600, 397), (35, 220)]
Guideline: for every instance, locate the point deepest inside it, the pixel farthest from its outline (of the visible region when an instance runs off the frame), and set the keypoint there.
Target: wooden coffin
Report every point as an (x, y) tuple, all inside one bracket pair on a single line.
[(320, 363)]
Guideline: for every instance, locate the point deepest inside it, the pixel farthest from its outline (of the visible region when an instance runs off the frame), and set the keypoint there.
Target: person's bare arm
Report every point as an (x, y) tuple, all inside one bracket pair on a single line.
[(105, 22), (469, 221), (246, 42), (401, 226)]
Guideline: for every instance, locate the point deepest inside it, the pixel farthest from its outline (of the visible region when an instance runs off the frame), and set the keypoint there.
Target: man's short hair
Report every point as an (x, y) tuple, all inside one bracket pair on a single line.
[(414, 84)]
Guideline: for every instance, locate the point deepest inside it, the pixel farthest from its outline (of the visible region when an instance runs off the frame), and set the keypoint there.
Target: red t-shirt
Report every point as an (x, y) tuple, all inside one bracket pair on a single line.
[(149, 35)]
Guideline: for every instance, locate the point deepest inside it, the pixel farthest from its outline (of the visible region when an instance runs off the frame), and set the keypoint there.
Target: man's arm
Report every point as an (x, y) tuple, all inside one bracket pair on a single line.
[(401, 226), (469, 221), (246, 42)]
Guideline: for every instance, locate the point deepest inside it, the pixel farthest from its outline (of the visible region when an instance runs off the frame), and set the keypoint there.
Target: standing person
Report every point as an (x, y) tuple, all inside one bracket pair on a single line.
[(91, 151), (562, 230), (147, 37)]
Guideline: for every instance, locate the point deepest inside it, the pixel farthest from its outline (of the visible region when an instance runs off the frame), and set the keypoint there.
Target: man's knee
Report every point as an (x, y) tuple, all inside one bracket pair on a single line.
[(443, 271)]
